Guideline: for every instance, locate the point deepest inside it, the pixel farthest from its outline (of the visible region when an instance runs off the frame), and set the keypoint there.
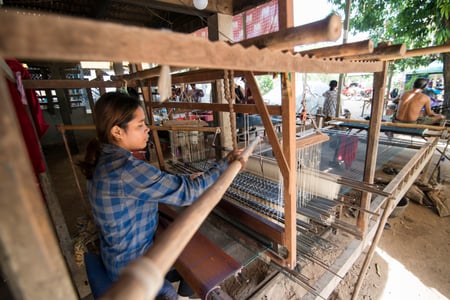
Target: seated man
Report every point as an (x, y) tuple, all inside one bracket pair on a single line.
[(411, 104)]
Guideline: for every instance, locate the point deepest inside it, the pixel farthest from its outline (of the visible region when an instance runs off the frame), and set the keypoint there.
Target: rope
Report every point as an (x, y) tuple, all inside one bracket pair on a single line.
[(230, 95)]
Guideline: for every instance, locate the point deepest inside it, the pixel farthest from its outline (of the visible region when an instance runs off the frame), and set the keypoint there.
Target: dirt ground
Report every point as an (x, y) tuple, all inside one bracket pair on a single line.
[(412, 259)]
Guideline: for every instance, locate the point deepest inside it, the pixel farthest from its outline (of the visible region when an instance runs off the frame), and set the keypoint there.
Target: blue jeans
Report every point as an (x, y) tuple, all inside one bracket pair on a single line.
[(167, 292)]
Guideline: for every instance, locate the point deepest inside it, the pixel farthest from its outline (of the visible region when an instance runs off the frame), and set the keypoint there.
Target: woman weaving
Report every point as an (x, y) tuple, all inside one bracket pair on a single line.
[(124, 191)]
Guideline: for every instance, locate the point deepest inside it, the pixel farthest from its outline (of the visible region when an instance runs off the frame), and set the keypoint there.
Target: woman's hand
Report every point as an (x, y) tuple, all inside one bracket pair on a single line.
[(195, 175), (236, 155)]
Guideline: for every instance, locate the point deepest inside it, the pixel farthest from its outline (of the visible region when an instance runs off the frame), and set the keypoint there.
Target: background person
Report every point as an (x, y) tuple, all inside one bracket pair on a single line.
[(411, 103), (330, 103)]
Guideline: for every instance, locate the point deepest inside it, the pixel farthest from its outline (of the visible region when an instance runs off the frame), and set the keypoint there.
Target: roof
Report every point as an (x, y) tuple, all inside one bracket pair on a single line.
[(176, 15)]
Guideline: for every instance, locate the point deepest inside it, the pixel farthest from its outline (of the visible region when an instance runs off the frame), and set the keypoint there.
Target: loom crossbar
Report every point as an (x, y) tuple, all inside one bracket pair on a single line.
[(312, 139), (384, 128)]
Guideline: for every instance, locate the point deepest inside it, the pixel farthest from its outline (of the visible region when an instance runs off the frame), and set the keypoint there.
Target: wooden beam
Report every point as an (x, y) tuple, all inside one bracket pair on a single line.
[(187, 6), (265, 118), (290, 178), (328, 29), (382, 52), (71, 84), (400, 125), (379, 87), (427, 51), (312, 139), (27, 35), (349, 49), (274, 110), (407, 175), (31, 257)]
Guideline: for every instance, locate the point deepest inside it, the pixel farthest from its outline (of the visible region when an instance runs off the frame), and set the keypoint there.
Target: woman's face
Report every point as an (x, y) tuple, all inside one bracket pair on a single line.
[(136, 135)]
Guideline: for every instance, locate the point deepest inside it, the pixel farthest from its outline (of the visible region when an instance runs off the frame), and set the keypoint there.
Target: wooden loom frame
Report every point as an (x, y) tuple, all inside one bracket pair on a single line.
[(32, 36)]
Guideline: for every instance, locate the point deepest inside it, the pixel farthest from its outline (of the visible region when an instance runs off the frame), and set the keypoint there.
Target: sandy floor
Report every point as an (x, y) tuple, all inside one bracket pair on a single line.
[(410, 262), (412, 259)]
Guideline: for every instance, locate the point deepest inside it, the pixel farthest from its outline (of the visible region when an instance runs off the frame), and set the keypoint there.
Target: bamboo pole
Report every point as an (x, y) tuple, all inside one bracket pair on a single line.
[(387, 211), (142, 278)]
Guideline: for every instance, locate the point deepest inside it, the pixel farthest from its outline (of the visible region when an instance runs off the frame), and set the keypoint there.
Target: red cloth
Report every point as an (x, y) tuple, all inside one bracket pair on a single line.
[(348, 148), (26, 124), (249, 97)]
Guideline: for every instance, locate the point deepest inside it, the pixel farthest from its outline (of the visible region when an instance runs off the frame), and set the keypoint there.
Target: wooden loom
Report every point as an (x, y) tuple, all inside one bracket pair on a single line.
[(27, 36), (30, 27)]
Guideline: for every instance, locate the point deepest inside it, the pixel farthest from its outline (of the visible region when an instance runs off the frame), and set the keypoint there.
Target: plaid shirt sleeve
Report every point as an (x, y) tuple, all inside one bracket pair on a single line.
[(147, 183)]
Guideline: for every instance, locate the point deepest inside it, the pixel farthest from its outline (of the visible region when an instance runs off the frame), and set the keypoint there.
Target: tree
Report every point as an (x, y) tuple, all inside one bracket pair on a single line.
[(265, 83), (416, 23)]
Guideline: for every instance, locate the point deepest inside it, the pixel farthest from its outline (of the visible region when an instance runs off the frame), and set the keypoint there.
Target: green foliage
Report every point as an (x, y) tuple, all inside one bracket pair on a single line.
[(416, 23), (265, 83)]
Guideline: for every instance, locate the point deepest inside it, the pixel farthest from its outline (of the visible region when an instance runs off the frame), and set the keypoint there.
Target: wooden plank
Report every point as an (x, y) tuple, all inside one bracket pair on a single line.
[(372, 143), (311, 139), (382, 52), (400, 125), (289, 178), (408, 174), (70, 84), (31, 258), (274, 110), (78, 274), (288, 115), (202, 264), (326, 30), (349, 49), (27, 36), (254, 221)]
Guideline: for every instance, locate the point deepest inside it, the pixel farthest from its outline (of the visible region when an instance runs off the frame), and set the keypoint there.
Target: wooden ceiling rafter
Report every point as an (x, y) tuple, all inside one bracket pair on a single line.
[(73, 39)]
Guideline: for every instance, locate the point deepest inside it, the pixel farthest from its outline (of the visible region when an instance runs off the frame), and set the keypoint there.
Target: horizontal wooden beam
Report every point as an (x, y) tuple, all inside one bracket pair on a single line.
[(328, 29), (28, 36), (274, 110), (349, 49), (427, 51), (382, 52), (71, 84), (400, 125)]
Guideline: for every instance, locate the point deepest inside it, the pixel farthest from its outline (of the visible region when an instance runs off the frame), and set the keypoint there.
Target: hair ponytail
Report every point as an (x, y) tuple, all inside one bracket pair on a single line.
[(87, 165)]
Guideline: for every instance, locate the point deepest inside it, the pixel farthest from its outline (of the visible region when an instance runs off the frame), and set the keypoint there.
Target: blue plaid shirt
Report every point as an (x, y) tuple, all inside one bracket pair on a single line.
[(124, 193)]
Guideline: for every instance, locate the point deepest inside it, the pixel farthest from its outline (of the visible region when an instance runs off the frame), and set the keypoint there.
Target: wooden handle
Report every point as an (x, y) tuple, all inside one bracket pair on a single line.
[(171, 243), (328, 29)]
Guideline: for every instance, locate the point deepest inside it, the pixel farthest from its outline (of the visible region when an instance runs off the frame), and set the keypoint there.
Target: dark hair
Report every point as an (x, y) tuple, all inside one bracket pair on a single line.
[(333, 84), (111, 109), (420, 83)]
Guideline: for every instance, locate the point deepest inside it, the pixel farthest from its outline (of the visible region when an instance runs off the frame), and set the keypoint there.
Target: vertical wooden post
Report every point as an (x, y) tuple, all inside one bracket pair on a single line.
[(288, 109), (31, 259), (379, 86), (220, 28), (148, 100), (290, 196)]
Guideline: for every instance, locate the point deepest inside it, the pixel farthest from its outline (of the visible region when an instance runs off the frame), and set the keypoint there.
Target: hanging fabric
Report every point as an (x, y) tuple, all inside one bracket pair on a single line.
[(348, 149), (26, 104)]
